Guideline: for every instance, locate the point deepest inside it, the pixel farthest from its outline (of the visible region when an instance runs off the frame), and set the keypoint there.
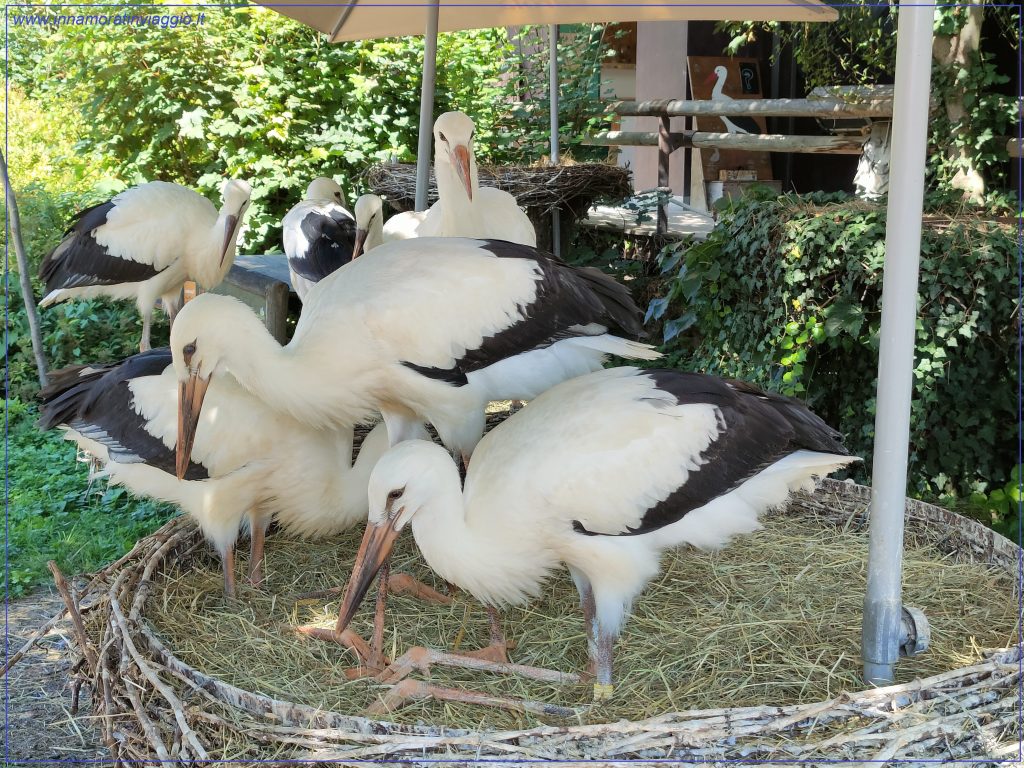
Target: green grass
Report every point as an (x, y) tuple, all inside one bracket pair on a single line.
[(55, 515)]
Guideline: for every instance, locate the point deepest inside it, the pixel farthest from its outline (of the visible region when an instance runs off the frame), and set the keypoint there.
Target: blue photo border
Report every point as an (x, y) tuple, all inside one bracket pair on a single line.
[(739, 761)]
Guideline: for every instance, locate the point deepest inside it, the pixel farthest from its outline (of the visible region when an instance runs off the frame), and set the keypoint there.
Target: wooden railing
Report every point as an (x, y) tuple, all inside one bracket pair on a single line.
[(668, 141)]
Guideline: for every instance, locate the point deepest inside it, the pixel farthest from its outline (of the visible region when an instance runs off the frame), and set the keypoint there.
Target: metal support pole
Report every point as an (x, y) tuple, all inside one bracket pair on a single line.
[(556, 217), (423, 152), (664, 152), (882, 602)]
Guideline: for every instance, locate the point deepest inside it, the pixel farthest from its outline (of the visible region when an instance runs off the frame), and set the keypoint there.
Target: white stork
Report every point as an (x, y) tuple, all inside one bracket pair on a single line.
[(463, 207), (248, 461), (735, 123), (427, 330), (319, 235), (143, 244), (369, 213), (600, 474)]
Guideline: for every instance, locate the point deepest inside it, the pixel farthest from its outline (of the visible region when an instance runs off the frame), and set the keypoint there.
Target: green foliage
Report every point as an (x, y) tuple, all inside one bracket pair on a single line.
[(787, 293), (55, 515), (253, 94)]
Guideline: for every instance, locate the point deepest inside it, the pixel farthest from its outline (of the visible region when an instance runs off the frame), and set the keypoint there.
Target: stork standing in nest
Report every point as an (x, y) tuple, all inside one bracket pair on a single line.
[(143, 244), (601, 475), (249, 462), (463, 207)]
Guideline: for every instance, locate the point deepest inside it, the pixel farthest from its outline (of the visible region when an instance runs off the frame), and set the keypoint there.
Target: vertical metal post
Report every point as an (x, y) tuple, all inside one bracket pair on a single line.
[(664, 152), (882, 602), (423, 152), (556, 217)]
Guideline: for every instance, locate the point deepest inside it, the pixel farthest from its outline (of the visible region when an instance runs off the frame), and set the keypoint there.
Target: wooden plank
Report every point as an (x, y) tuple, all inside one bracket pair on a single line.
[(764, 142), (1013, 146), (825, 108)]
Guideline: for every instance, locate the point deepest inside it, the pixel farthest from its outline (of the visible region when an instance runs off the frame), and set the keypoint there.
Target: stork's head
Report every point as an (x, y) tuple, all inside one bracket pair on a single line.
[(405, 479), (719, 74), (453, 146), (369, 210), (236, 194), (325, 189), (196, 352)]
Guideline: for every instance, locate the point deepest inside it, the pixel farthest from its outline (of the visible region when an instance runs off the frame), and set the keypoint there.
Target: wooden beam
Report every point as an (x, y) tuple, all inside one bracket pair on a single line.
[(753, 142), (880, 108), (1013, 147)]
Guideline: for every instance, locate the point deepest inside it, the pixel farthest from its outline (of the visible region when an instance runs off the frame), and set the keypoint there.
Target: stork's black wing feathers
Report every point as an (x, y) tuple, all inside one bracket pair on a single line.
[(78, 260), (331, 240), (757, 429), (568, 299), (96, 401)]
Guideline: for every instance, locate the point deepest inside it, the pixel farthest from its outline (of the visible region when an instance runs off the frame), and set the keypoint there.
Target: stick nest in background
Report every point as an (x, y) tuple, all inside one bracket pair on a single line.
[(538, 188), (752, 651)]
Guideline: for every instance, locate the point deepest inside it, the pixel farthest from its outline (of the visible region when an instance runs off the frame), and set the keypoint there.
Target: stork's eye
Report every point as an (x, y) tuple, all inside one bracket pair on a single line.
[(338, 195), (189, 349), (443, 137), (396, 494)]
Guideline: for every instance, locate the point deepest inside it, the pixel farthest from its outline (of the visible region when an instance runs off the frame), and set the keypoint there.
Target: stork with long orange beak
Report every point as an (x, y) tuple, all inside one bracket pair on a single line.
[(463, 207)]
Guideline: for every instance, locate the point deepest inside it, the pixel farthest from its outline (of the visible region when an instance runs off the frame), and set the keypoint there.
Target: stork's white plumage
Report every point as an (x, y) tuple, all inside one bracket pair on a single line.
[(414, 332), (248, 461), (463, 207), (319, 235), (369, 213), (143, 244), (600, 474), (734, 123)]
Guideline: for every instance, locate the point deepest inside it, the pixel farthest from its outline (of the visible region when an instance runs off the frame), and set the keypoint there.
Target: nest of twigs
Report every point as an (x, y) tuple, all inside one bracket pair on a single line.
[(747, 653), (571, 187)]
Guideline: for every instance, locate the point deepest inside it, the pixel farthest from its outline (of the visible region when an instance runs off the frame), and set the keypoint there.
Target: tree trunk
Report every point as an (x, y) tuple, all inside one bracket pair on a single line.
[(960, 51), (14, 235)]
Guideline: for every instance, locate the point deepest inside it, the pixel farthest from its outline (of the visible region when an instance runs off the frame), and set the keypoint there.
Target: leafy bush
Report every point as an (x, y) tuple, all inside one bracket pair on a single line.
[(55, 515), (787, 293)]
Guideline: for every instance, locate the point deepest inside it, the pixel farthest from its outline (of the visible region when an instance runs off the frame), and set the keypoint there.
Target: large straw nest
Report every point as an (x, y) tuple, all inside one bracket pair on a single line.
[(751, 653), (538, 188)]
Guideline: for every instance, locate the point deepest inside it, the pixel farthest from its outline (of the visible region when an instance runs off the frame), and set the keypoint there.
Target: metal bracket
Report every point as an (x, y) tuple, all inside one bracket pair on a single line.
[(915, 632)]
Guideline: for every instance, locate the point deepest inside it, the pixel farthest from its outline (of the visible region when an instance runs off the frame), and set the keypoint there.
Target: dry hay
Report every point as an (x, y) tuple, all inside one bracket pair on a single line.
[(538, 188), (752, 649)]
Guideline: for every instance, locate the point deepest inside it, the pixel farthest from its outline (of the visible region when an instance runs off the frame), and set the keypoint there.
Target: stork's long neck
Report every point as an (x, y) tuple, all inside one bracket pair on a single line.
[(456, 206), (207, 268), (282, 377), (716, 92), (375, 234), (485, 554)]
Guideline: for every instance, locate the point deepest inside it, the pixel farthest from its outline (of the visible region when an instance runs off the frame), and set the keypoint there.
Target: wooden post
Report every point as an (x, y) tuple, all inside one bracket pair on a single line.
[(664, 153)]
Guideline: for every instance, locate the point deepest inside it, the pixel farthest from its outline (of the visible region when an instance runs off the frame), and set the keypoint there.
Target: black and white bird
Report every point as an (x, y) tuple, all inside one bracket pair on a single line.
[(429, 329), (319, 235), (734, 123), (600, 475), (143, 244), (463, 207), (249, 463)]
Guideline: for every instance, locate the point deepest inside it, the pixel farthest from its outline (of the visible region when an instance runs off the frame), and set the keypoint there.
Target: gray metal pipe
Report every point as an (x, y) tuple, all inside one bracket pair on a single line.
[(423, 149), (882, 601), (556, 223)]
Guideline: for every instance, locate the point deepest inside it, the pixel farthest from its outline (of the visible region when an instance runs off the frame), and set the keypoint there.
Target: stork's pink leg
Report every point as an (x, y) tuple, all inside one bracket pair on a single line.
[(257, 536), (147, 321), (497, 651), (228, 564), (419, 658)]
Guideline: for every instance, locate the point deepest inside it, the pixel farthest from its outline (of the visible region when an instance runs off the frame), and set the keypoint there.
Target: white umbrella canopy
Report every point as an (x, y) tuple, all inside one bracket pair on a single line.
[(369, 19)]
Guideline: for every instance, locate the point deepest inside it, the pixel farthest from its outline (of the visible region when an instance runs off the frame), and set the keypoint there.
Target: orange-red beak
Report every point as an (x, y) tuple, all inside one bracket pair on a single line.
[(461, 156), (230, 225), (357, 246), (190, 404), (712, 78), (374, 550)]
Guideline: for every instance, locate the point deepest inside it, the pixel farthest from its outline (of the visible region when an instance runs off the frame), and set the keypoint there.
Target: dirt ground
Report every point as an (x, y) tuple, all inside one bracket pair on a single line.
[(40, 726)]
